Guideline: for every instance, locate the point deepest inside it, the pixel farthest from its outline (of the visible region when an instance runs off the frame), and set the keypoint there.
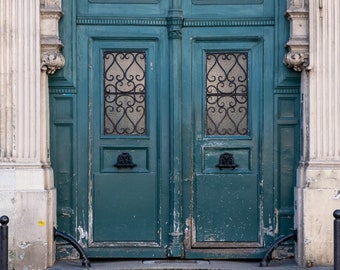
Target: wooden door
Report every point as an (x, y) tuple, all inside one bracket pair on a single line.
[(174, 136)]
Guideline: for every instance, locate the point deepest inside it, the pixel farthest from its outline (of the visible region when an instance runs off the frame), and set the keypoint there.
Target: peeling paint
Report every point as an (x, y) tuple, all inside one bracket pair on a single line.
[(176, 222), (261, 183), (276, 221), (187, 232), (269, 231), (66, 212), (83, 235)]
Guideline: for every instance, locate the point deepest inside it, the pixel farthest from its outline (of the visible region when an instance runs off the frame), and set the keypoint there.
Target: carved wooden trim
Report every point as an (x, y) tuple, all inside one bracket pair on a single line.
[(298, 44), (51, 56)]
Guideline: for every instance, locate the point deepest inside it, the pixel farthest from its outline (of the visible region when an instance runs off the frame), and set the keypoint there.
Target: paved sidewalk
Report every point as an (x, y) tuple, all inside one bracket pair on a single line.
[(185, 265)]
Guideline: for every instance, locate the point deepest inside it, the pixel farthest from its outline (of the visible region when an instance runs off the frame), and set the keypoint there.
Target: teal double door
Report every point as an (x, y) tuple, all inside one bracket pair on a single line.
[(175, 133)]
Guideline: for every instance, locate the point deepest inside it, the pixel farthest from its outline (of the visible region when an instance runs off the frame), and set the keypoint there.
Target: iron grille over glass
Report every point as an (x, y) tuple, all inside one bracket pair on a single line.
[(124, 93), (226, 93)]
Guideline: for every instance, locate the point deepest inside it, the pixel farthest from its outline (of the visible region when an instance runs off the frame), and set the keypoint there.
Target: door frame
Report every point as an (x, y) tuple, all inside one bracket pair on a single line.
[(65, 132)]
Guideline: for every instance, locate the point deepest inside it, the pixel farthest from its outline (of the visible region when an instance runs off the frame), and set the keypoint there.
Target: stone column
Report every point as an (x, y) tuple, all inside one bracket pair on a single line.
[(317, 191), (27, 192)]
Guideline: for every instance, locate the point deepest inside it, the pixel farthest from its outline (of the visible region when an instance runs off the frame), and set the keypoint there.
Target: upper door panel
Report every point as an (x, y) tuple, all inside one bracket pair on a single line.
[(123, 8), (222, 9)]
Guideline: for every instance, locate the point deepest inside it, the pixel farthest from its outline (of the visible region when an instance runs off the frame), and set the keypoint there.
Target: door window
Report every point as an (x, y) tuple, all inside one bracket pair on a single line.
[(124, 93), (227, 93)]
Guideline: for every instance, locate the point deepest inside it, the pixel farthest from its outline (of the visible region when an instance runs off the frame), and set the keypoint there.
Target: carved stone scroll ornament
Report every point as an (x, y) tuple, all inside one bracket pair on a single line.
[(298, 44), (51, 61), (296, 60)]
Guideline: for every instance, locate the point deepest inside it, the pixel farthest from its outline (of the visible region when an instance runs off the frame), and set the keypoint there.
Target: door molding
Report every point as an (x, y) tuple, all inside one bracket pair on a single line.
[(174, 20)]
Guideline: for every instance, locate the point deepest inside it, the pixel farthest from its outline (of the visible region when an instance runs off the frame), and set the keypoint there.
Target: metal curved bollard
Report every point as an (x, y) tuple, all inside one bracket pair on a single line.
[(336, 215), (268, 256), (84, 260)]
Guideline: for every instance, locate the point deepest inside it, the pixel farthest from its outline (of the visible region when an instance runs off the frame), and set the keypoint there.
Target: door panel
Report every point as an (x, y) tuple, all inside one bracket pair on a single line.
[(125, 135), (127, 114), (227, 9), (227, 113), (121, 9), (225, 129)]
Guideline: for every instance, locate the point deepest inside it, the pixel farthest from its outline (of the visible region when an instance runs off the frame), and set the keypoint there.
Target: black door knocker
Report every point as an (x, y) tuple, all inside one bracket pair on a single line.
[(226, 161), (124, 160)]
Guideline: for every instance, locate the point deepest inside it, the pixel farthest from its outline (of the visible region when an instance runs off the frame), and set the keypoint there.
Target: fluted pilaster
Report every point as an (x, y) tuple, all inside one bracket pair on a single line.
[(20, 81), (324, 81)]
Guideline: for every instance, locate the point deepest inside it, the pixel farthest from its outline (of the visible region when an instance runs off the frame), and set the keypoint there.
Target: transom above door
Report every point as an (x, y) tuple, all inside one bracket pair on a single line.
[(172, 117)]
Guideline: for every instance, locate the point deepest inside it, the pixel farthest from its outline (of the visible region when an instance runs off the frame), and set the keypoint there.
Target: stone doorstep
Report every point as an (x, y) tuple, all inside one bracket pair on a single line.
[(180, 265)]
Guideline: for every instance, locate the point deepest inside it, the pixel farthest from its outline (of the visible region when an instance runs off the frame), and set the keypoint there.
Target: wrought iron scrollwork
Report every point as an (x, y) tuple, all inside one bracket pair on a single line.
[(124, 93), (226, 161), (124, 160), (227, 93)]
